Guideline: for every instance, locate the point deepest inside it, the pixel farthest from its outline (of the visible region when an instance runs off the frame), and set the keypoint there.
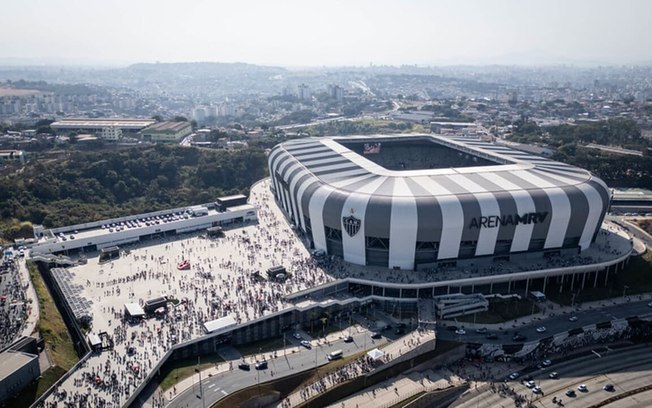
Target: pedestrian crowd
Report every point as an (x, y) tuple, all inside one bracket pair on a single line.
[(13, 305)]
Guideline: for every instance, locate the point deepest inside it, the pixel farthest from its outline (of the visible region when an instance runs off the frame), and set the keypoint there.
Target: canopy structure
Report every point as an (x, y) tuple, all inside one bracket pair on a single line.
[(221, 323), (94, 340), (134, 310), (375, 354)]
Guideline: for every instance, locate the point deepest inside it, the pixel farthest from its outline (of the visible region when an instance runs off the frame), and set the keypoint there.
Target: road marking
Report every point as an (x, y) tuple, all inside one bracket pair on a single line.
[(224, 392), (212, 385)]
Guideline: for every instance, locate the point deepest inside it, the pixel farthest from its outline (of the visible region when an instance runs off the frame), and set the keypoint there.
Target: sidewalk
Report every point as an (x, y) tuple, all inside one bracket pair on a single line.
[(356, 368), (391, 392)]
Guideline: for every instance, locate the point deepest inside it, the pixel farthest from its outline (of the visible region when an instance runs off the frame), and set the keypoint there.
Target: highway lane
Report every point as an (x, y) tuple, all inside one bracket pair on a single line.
[(626, 369), (553, 325), (218, 386)]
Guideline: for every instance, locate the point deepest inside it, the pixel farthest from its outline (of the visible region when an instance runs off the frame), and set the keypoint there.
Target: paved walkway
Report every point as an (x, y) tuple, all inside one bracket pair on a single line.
[(393, 351), (391, 392), (33, 311)]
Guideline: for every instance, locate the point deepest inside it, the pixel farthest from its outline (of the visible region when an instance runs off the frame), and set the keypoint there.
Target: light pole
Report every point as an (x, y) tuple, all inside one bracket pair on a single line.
[(201, 389), (624, 290)]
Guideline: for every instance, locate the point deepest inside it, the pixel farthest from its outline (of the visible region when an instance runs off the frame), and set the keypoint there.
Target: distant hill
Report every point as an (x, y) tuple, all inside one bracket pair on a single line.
[(209, 69)]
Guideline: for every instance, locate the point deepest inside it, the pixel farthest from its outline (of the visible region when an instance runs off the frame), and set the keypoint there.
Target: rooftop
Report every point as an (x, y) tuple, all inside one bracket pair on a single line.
[(12, 361), (167, 126), (132, 123)]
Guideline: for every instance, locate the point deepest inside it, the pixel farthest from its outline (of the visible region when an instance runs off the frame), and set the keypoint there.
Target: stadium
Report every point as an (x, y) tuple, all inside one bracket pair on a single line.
[(417, 201)]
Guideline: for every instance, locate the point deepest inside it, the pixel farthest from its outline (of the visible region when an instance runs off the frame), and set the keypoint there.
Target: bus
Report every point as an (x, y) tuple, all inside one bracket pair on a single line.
[(334, 355)]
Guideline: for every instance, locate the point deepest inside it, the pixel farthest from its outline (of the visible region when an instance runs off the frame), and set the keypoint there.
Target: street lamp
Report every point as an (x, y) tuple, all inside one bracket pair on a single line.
[(201, 388), (624, 290)]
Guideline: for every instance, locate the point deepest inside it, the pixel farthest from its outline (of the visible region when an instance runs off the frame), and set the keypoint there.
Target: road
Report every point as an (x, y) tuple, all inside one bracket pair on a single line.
[(553, 325), (217, 387), (634, 230), (626, 369)]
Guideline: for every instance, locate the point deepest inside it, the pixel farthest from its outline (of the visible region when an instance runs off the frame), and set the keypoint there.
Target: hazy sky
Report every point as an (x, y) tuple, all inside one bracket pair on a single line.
[(313, 33)]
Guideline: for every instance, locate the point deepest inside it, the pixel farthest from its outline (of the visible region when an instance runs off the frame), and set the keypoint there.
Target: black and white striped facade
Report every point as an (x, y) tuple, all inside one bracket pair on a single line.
[(352, 207)]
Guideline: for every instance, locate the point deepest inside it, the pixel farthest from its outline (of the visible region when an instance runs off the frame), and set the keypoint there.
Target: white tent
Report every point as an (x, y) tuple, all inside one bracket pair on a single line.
[(134, 310), (375, 354)]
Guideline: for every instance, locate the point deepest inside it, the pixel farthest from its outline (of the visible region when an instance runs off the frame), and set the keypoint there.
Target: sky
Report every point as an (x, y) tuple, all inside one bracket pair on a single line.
[(327, 33)]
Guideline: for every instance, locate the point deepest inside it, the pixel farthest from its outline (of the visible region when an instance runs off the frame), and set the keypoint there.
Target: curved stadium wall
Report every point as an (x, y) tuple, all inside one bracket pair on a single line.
[(409, 200)]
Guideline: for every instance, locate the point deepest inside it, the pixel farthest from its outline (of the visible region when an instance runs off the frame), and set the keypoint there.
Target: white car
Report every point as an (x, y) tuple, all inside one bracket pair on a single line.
[(514, 375), (541, 329), (537, 390), (530, 384), (582, 388), (297, 336), (460, 332), (546, 363), (572, 319)]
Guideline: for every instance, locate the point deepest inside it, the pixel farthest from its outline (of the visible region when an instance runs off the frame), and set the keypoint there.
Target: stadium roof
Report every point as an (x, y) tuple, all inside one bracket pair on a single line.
[(335, 165)]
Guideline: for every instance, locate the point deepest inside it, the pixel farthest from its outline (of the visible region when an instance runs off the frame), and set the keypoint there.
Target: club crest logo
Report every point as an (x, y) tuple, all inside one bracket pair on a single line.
[(351, 224)]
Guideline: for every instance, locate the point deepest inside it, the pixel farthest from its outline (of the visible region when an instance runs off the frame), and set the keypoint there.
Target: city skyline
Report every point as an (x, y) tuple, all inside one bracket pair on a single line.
[(294, 33)]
